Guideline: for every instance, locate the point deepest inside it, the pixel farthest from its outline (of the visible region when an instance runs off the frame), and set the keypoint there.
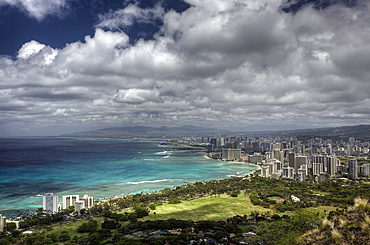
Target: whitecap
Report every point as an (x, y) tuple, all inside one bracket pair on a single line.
[(147, 181)]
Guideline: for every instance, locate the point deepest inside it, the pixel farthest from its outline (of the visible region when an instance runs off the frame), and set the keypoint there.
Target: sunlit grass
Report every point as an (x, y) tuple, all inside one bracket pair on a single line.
[(208, 208), (72, 227)]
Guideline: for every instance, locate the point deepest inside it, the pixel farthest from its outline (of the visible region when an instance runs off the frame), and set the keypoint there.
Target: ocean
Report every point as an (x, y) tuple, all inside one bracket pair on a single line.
[(101, 168)]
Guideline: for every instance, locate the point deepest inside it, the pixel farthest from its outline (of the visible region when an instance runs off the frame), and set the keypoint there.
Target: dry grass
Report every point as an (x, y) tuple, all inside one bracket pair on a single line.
[(342, 222), (326, 224), (365, 225), (336, 235), (360, 202)]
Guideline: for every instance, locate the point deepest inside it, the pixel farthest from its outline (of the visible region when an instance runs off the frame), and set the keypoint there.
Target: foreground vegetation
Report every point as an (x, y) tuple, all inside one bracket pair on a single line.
[(250, 210)]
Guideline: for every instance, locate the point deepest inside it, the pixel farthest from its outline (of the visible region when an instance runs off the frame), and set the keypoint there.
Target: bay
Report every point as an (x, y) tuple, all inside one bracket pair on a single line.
[(98, 167)]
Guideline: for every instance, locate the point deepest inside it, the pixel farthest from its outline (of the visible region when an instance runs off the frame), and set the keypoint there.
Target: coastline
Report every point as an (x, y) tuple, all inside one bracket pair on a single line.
[(122, 160), (252, 164)]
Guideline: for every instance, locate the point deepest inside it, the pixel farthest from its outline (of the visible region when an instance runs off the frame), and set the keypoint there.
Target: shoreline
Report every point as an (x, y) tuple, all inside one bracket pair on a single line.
[(252, 164), (145, 152)]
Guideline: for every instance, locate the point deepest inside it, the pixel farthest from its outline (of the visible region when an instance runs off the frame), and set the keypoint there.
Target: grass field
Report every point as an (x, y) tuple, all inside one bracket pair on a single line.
[(207, 208), (72, 227)]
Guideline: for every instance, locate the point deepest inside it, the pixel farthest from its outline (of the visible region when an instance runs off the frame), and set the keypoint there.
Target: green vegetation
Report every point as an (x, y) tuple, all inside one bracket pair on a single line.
[(208, 208), (349, 227), (253, 210)]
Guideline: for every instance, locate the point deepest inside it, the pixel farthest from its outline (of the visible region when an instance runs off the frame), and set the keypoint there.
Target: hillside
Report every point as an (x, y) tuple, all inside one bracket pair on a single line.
[(351, 227), (149, 132), (360, 132)]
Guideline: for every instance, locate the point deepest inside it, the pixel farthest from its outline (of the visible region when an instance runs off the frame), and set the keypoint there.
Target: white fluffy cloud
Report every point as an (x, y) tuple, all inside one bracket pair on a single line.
[(229, 63), (38, 9)]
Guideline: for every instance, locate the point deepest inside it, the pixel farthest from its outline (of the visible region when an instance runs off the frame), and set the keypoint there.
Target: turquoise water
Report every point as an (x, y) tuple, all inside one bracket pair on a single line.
[(100, 168)]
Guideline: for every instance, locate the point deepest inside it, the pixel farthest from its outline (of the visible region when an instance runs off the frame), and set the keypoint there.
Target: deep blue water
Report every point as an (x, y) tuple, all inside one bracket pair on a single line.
[(101, 168)]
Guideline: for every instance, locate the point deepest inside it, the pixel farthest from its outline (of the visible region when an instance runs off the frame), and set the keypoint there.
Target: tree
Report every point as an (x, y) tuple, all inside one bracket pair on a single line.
[(165, 225), (64, 236), (90, 226), (132, 217), (53, 237), (141, 210), (94, 238), (110, 224)]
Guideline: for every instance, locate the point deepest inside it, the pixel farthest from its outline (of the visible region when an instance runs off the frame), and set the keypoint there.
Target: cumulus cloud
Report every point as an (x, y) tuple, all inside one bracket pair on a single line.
[(229, 63), (138, 96), (38, 9)]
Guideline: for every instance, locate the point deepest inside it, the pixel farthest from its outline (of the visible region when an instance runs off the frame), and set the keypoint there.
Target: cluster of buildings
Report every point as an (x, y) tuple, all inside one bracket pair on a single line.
[(51, 204), (292, 158)]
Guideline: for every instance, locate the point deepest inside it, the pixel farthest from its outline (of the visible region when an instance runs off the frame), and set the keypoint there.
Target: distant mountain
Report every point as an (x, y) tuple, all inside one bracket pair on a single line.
[(361, 132), (149, 132)]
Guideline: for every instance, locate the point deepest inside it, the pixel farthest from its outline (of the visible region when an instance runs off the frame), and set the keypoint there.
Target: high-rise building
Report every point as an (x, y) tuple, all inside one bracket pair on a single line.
[(299, 161), (302, 173), (69, 200), (366, 169), (276, 153), (231, 154), (332, 166), (353, 169), (288, 172), (2, 223), (317, 168), (265, 171), (88, 200), (291, 159), (79, 205), (50, 203)]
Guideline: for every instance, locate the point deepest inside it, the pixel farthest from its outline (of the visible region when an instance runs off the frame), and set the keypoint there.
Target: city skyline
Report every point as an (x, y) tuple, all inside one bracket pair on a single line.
[(72, 66)]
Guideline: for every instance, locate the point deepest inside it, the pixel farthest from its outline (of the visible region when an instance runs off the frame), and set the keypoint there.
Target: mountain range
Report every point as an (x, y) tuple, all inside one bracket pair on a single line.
[(361, 132), (150, 132)]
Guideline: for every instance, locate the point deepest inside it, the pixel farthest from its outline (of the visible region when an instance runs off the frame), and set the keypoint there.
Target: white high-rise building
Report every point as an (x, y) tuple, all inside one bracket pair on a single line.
[(231, 154), (317, 168), (265, 171), (2, 223), (88, 200), (70, 200), (79, 205), (50, 203), (288, 172), (332, 166), (302, 173)]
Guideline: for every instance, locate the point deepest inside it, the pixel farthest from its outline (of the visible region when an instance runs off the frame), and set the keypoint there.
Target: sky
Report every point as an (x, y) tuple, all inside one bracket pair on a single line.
[(76, 65)]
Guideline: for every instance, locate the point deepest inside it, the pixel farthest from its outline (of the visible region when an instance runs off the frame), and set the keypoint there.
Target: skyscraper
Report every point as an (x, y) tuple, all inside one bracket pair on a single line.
[(50, 203), (299, 161), (89, 201), (2, 223), (69, 200), (353, 169), (291, 160), (332, 165)]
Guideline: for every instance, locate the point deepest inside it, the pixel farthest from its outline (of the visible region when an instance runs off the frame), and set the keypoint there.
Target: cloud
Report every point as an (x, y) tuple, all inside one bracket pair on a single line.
[(225, 64), (137, 96), (38, 9), (122, 18)]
